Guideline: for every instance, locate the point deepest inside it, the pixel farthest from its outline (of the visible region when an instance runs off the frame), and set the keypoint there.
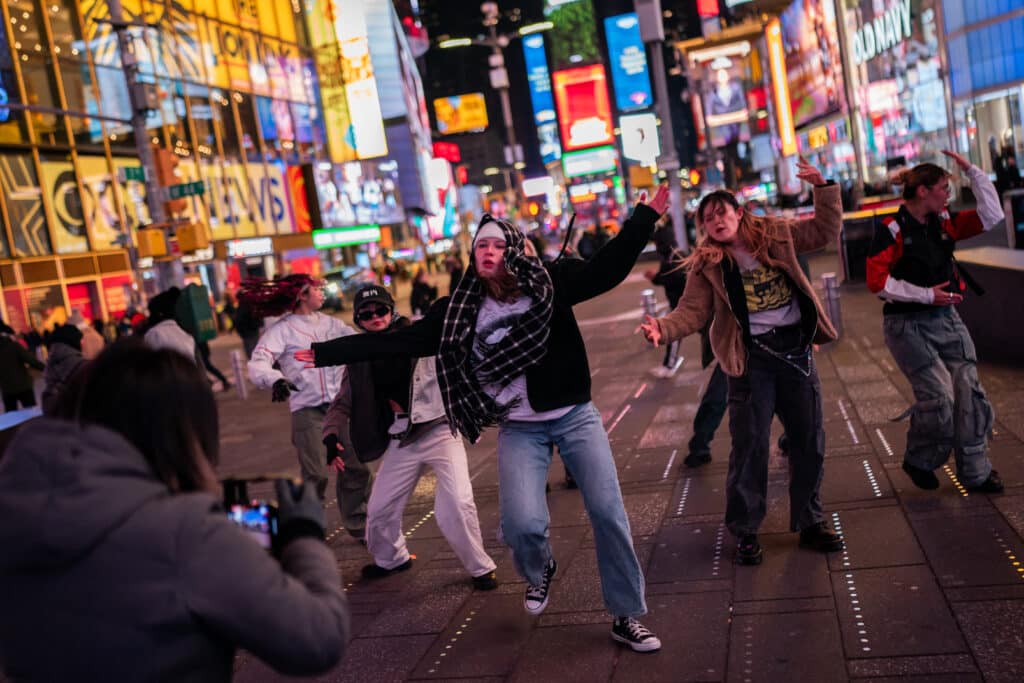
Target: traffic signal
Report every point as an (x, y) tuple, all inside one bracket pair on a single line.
[(533, 208), (166, 162)]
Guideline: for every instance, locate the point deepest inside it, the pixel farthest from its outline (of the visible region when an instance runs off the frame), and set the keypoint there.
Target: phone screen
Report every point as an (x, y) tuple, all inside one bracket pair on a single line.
[(256, 519)]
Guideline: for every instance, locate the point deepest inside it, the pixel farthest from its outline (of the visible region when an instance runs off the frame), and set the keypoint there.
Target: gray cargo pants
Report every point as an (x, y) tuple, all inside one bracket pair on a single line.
[(352, 486), (934, 350)]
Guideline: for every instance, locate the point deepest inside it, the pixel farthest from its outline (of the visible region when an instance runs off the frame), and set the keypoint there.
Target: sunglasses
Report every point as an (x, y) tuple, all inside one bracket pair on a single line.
[(369, 313)]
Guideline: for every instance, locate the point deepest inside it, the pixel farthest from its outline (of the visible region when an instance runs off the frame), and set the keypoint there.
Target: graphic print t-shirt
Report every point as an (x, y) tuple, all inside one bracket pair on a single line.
[(493, 322), (771, 301)]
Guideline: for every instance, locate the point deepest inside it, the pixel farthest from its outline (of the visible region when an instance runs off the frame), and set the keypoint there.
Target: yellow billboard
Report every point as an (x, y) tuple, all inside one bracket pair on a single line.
[(461, 113)]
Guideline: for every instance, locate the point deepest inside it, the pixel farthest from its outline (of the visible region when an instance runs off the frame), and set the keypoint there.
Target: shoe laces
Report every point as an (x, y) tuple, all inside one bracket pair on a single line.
[(637, 631), (539, 592)]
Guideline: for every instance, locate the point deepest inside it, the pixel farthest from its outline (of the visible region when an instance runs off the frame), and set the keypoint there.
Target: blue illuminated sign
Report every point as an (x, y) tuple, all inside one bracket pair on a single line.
[(628, 61), (541, 98)]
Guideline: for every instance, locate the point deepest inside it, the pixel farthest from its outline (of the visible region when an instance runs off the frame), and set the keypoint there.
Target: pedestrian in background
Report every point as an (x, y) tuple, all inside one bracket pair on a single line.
[(70, 348), (764, 314), (16, 383), (163, 330), (117, 548), (671, 275), (912, 268), (510, 354), (423, 293), (297, 299), (453, 264), (393, 410), (247, 325)]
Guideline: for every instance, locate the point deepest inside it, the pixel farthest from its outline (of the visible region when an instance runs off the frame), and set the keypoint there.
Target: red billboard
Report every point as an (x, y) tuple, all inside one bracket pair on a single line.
[(584, 108)]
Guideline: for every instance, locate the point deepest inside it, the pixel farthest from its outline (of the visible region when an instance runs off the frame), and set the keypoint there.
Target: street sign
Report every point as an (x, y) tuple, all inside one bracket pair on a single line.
[(133, 173), (186, 190)]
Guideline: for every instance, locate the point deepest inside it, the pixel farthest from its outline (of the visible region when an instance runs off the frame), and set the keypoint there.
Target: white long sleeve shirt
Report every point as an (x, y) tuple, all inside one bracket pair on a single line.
[(279, 343)]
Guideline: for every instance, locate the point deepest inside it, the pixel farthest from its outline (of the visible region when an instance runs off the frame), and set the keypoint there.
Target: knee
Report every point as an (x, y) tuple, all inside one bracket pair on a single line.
[(933, 415)]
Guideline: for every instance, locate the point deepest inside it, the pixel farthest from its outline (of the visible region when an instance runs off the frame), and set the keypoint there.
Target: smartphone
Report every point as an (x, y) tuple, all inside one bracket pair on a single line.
[(258, 519)]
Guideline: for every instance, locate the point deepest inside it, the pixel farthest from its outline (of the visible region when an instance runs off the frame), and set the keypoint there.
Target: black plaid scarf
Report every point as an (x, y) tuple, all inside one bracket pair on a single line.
[(470, 409)]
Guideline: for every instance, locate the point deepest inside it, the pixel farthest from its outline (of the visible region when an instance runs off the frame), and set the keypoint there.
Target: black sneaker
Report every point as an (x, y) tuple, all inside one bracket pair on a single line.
[(994, 484), (748, 550), (375, 571), (821, 538), (923, 479), (697, 459), (537, 596), (485, 582), (629, 631)]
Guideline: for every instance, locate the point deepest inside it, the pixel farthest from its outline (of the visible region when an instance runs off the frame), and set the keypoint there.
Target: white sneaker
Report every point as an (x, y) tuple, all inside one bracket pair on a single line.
[(536, 599), (629, 631)]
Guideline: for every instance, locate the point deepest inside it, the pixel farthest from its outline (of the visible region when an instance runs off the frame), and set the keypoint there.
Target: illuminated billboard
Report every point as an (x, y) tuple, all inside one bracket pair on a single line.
[(461, 113), (777, 64), (814, 68), (360, 84), (573, 37), (640, 138), (628, 61), (723, 72), (589, 161), (540, 97), (584, 111)]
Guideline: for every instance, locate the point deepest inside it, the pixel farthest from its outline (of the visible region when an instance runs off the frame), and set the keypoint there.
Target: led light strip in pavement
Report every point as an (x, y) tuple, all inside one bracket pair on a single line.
[(668, 467), (418, 524), (851, 589), (885, 443), (716, 563), (871, 478), (849, 424), (682, 499), (1014, 562), (462, 629), (956, 482)]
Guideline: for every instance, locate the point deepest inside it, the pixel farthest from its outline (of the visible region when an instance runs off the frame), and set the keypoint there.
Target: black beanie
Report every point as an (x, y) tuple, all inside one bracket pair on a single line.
[(67, 334)]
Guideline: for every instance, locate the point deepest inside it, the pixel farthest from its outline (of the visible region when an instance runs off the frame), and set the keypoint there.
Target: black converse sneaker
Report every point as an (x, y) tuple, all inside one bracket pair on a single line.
[(537, 596), (629, 631)]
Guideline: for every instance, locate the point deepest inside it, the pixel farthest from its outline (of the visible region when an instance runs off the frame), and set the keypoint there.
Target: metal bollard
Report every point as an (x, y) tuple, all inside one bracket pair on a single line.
[(835, 312), (237, 368), (649, 303)]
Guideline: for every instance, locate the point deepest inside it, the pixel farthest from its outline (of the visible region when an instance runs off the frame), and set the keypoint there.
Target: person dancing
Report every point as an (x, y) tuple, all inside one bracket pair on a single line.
[(510, 354), (912, 268), (745, 280)]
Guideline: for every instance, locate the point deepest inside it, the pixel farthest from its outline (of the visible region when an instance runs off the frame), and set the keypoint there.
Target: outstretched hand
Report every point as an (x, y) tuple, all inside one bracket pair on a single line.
[(940, 297), (807, 172), (962, 164), (660, 201), (306, 356), (651, 330)]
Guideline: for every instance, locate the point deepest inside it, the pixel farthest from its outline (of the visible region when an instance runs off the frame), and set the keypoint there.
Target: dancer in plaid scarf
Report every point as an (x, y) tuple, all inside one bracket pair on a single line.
[(510, 354)]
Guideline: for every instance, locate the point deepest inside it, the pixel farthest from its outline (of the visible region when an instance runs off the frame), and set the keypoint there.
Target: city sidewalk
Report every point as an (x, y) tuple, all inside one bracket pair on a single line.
[(929, 585)]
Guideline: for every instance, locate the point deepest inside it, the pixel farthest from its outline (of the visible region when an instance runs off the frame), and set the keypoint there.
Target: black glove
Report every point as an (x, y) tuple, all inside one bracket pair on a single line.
[(299, 511), (281, 390), (331, 442)]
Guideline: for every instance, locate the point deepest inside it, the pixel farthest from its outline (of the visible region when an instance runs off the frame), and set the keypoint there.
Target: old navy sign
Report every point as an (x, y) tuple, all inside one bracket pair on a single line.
[(882, 33)]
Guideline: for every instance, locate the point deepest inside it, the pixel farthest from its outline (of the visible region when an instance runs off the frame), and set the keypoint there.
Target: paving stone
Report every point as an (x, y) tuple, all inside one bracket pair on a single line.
[(900, 610), (694, 633), (936, 667), (778, 606), (773, 647), (1012, 508), (861, 372), (425, 606), (993, 631), (648, 465), (577, 584), (881, 412), (879, 537), (854, 479), (984, 593), (485, 639), (703, 495), (683, 412), (787, 571), (593, 655), (1007, 456), (971, 549), (645, 511), (690, 553), (666, 434), (866, 392)]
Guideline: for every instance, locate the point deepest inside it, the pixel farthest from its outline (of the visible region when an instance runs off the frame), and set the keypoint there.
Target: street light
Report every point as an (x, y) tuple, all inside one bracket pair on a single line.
[(499, 78)]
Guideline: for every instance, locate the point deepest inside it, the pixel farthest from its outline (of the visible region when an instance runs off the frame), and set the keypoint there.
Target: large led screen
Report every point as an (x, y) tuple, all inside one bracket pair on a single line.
[(461, 113), (814, 68), (628, 62), (584, 110)]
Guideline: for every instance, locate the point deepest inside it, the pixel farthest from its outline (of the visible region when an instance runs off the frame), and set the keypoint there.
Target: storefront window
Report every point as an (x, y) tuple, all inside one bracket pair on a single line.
[(228, 130), (65, 205), (78, 90), (198, 97), (114, 101), (249, 132), (24, 198)]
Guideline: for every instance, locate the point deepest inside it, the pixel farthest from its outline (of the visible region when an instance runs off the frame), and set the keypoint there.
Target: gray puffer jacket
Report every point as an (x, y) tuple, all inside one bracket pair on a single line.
[(61, 365), (107, 576)]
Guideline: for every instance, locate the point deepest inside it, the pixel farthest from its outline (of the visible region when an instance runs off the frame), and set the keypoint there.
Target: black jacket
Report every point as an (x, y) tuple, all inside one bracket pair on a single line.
[(562, 378), (14, 377)]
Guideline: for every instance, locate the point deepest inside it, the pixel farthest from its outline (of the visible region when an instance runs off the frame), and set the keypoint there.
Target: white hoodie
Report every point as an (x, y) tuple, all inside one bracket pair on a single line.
[(279, 343)]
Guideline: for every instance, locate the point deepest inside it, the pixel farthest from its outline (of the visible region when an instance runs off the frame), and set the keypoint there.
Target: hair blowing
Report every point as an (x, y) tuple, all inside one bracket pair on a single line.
[(275, 297), (922, 175), (753, 232), (158, 401)]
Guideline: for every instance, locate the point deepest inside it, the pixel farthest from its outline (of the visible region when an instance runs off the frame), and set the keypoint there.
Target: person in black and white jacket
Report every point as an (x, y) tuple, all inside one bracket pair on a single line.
[(510, 354)]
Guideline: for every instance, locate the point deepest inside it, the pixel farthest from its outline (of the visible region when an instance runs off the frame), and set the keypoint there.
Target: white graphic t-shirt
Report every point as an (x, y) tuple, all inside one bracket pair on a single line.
[(771, 300), (493, 322)]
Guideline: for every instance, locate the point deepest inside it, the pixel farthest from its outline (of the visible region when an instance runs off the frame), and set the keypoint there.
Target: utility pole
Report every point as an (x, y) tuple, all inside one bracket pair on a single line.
[(499, 81), (144, 97), (652, 32)]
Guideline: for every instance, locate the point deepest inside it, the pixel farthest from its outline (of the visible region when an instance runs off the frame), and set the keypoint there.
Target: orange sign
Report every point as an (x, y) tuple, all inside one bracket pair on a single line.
[(777, 63)]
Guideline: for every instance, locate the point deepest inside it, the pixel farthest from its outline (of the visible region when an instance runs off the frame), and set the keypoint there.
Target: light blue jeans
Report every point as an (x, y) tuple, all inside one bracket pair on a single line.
[(524, 456)]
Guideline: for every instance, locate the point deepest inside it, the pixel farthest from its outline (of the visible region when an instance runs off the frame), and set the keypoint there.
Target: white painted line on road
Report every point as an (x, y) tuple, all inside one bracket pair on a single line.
[(849, 424), (619, 418), (668, 467), (640, 390), (871, 479), (885, 442)]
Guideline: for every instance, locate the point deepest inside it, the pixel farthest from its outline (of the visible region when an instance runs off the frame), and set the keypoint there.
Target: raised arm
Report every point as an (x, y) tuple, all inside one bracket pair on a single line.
[(582, 280), (821, 229), (988, 213)]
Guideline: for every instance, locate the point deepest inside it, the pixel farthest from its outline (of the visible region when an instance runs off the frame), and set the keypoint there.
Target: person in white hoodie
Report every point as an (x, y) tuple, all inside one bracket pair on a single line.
[(163, 331), (297, 299)]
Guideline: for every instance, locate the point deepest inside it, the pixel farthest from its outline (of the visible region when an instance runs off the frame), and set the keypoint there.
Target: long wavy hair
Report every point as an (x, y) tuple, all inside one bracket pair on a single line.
[(754, 232), (275, 297)]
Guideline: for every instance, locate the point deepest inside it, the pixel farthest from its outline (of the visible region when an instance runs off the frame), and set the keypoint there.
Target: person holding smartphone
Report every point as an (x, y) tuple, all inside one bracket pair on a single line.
[(911, 267), (510, 355), (745, 280), (119, 561), (393, 411)]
